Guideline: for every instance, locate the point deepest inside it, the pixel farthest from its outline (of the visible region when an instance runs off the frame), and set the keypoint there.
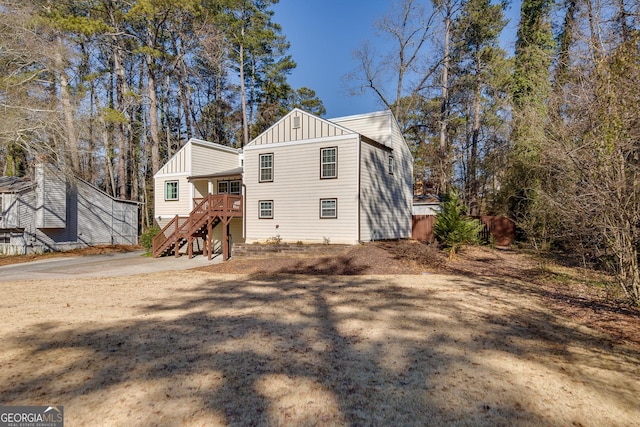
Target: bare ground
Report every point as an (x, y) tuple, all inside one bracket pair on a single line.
[(486, 339)]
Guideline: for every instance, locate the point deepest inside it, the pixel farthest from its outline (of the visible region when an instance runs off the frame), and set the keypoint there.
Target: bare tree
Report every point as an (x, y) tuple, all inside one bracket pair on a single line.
[(404, 71)]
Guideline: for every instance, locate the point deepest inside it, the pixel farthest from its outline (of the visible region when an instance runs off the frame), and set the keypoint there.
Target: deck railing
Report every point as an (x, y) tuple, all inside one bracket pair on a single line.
[(221, 206)]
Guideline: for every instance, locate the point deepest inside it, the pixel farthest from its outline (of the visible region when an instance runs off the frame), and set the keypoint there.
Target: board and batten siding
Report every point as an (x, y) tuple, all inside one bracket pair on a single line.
[(178, 163), (197, 157), (296, 191), (308, 127)]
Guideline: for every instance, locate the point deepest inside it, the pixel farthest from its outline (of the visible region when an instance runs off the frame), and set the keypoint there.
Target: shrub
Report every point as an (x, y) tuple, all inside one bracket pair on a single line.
[(146, 239), (452, 227)]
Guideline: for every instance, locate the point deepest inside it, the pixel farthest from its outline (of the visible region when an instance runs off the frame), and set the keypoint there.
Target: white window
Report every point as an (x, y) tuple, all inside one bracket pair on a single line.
[(328, 208), (391, 165), (266, 167), (234, 187), (171, 190), (328, 163), (265, 209)]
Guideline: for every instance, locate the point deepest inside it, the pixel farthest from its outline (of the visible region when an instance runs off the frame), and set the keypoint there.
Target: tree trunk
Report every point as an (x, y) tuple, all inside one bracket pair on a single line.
[(474, 209), (119, 133), (154, 130), (67, 109), (443, 152), (243, 97)]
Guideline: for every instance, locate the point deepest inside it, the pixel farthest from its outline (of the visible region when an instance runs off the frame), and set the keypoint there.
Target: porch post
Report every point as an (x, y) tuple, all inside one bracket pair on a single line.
[(225, 240), (210, 237), (177, 237)]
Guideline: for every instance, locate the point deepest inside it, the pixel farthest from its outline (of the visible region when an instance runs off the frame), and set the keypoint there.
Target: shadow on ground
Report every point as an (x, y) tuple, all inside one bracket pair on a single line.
[(288, 349)]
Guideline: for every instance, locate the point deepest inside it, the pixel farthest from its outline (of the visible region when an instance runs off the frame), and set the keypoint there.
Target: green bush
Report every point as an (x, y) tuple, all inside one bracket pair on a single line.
[(453, 228), (146, 239)]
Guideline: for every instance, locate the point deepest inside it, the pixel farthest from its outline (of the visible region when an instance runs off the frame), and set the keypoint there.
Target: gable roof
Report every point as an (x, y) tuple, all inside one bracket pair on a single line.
[(298, 125), (181, 159)]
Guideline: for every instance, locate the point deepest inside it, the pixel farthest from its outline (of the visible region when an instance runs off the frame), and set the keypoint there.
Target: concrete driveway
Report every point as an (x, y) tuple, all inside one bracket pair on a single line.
[(107, 265)]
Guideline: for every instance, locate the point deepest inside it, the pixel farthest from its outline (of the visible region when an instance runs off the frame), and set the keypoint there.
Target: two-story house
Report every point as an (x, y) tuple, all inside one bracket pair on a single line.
[(305, 179)]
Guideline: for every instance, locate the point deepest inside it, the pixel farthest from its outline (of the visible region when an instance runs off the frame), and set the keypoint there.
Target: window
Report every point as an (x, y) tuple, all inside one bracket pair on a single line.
[(171, 190), (5, 237), (229, 187), (266, 167), (265, 209), (391, 165), (328, 208), (234, 187), (329, 163)]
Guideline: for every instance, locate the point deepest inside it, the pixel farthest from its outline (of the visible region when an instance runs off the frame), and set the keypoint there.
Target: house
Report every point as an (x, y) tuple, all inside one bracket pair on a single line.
[(305, 179), (55, 212)]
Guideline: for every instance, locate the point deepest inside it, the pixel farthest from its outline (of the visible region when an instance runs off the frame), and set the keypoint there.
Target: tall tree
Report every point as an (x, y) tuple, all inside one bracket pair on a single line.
[(449, 10), (398, 77), (531, 89), (477, 29)]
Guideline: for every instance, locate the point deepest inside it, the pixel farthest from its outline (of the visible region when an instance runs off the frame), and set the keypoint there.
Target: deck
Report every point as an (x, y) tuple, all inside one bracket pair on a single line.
[(209, 212)]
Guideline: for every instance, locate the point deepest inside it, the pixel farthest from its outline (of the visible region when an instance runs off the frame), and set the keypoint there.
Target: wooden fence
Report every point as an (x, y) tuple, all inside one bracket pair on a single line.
[(502, 229)]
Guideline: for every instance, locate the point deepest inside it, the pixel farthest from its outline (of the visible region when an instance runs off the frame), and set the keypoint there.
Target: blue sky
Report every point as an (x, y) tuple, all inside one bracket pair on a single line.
[(323, 35)]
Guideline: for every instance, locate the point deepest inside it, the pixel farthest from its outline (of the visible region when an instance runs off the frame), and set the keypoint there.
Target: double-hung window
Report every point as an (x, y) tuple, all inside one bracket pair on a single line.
[(329, 162), (266, 168), (171, 190), (328, 208), (265, 209)]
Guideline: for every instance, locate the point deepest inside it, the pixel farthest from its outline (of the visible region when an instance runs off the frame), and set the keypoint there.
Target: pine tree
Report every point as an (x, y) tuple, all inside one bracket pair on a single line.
[(531, 89), (452, 226)]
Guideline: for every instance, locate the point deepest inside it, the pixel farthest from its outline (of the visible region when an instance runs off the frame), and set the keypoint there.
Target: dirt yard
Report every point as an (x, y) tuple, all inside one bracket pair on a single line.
[(487, 339)]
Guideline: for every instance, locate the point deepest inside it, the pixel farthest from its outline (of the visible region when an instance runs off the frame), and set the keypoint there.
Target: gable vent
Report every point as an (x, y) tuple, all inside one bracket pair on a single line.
[(296, 122)]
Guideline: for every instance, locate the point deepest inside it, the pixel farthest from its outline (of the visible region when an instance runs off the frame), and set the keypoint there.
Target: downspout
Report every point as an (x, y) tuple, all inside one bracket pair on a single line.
[(244, 210), (358, 172)]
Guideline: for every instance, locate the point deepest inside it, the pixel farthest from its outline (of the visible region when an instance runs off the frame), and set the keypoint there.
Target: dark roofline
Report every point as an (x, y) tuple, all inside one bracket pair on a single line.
[(230, 172)]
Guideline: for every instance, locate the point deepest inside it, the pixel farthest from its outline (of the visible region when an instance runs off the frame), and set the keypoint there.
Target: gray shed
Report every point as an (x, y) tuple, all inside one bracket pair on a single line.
[(55, 212)]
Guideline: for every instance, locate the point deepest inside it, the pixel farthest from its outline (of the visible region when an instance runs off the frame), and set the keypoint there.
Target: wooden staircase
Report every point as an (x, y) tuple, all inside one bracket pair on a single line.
[(208, 213)]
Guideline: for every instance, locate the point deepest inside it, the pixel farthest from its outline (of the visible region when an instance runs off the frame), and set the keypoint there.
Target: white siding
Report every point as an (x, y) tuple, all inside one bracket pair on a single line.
[(167, 209), (235, 232), (385, 210), (208, 159), (385, 199), (179, 163), (310, 127), (377, 126), (296, 192), (195, 158)]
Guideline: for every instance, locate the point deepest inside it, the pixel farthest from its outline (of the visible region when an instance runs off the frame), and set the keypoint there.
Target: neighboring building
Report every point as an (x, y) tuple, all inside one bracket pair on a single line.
[(58, 213), (305, 179), (426, 205)]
